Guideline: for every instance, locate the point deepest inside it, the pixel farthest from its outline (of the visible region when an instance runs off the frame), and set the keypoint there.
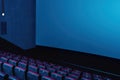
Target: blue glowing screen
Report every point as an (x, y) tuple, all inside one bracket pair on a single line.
[(91, 26)]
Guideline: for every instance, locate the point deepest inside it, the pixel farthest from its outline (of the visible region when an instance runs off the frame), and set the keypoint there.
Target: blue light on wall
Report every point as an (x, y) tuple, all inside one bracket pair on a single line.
[(91, 26)]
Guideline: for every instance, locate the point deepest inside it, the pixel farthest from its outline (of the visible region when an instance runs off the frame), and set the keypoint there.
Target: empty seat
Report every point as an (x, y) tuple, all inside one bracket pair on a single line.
[(51, 69), (76, 72), (69, 78), (17, 58), (3, 76), (62, 73), (43, 72), (31, 60), (39, 62), (34, 64), (24, 61), (106, 78), (74, 76), (9, 56), (56, 76), (46, 78), (32, 76), (41, 66), (8, 68), (97, 77), (13, 62), (50, 64), (86, 75), (25, 58), (33, 68), (22, 65), (47, 65), (3, 59), (67, 70), (20, 73), (57, 67), (83, 78)]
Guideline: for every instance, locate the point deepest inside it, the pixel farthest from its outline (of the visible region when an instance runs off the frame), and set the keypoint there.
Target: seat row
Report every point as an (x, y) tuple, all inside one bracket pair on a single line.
[(17, 67), (36, 68)]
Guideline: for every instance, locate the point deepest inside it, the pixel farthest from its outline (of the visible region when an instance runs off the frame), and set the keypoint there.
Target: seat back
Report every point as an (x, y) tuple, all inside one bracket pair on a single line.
[(56, 76), (8, 68), (3, 59), (22, 65), (32, 76), (20, 73), (32, 68), (43, 72), (13, 62)]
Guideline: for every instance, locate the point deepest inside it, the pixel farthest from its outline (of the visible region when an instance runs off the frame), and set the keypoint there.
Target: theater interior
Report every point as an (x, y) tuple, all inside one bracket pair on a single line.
[(59, 40)]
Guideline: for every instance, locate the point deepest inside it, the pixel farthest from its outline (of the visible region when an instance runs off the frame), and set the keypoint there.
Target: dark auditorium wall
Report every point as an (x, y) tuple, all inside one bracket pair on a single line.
[(20, 18)]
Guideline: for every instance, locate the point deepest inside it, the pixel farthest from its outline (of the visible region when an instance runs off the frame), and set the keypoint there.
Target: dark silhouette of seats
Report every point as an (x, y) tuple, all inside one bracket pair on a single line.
[(43, 72), (31, 63), (22, 65), (51, 69), (16, 67), (69, 78), (41, 66), (62, 73), (56, 76), (74, 76), (33, 68)]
